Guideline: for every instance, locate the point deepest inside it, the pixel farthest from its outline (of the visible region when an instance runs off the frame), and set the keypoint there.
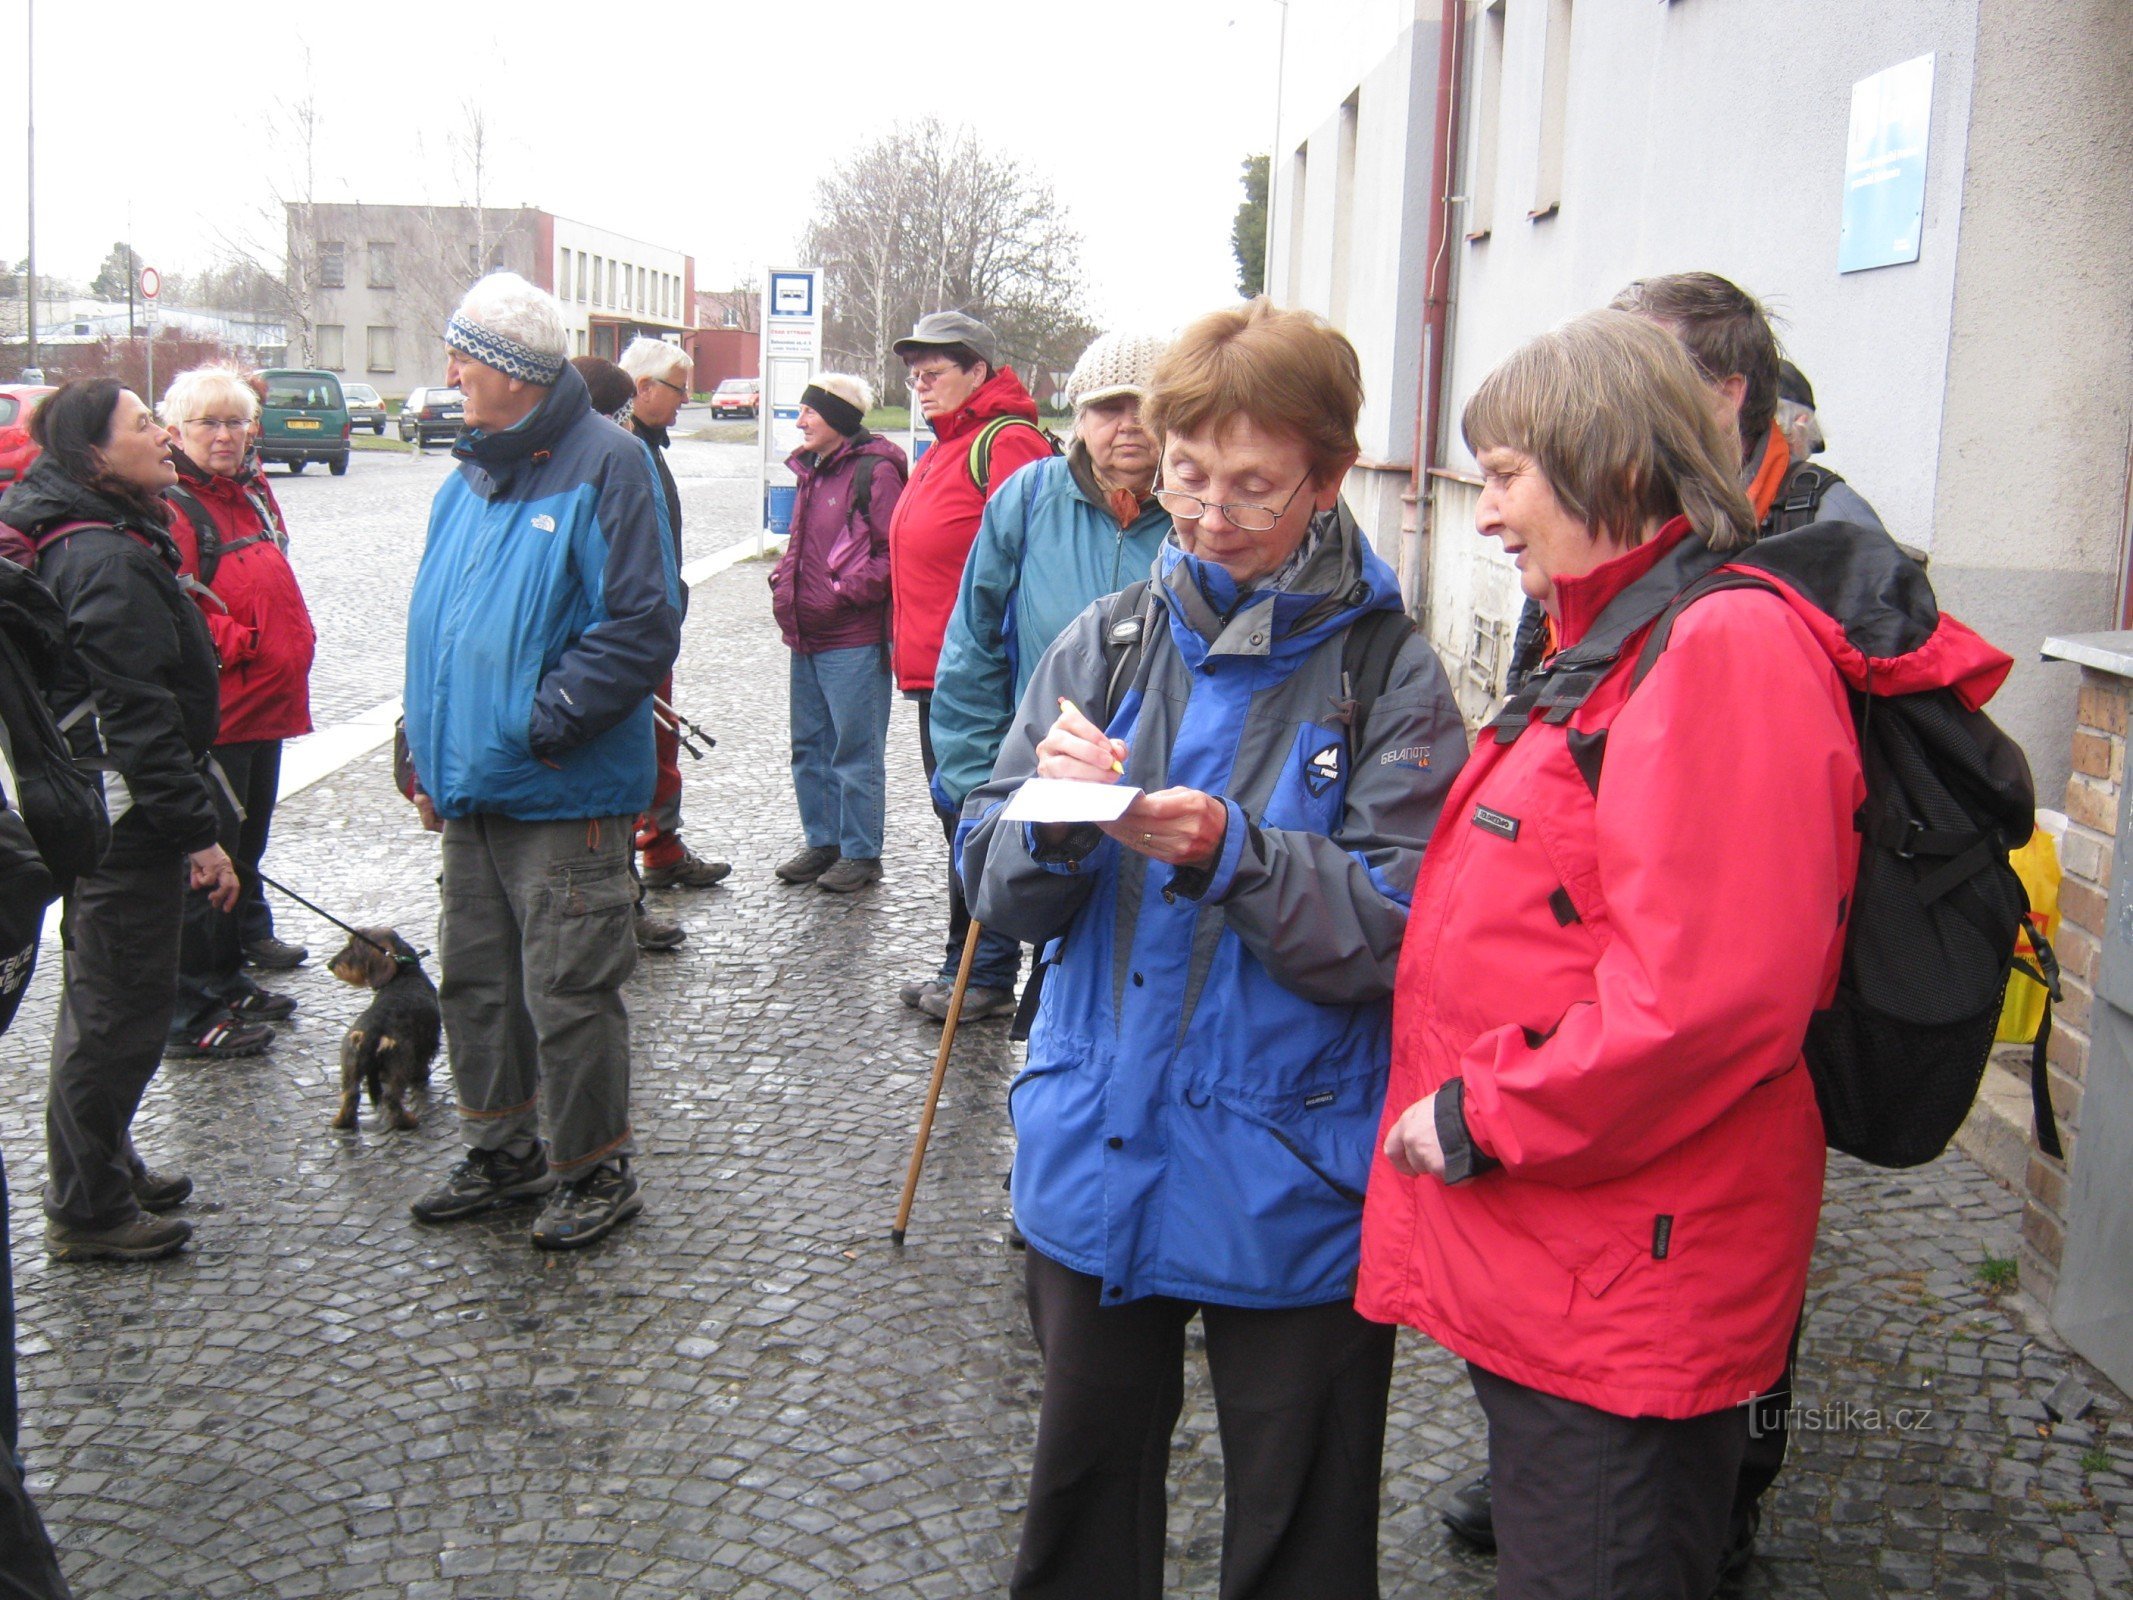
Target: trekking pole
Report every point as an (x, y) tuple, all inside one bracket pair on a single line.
[(681, 727), (933, 1089)]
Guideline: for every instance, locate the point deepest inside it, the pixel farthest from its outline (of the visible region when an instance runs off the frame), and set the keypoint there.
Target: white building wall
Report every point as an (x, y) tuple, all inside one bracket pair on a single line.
[(663, 303), (1350, 214)]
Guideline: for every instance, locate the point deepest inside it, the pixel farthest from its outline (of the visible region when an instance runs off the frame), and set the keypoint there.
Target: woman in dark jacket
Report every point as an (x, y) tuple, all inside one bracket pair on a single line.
[(92, 504), (255, 612), (830, 592)]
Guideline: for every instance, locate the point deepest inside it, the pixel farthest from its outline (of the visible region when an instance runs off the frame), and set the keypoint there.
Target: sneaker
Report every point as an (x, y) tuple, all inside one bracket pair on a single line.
[(276, 954), (808, 865), (140, 1238), (656, 933), (913, 994), (484, 1181), (589, 1209), (849, 873), (223, 1038), (1470, 1514), (980, 1000), (690, 872), (255, 1004), (159, 1191)]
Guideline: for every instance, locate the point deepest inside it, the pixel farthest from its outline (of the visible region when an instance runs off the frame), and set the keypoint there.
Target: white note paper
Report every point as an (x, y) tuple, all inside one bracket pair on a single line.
[(1069, 800)]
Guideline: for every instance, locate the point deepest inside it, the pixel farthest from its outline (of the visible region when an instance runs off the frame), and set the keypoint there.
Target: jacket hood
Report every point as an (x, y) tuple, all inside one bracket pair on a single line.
[(1340, 579), (1001, 395), (46, 496), (211, 485), (533, 434), (862, 443)]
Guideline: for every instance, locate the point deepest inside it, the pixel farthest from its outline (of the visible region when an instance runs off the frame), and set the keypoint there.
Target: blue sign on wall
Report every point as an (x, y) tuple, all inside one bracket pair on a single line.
[(1885, 167)]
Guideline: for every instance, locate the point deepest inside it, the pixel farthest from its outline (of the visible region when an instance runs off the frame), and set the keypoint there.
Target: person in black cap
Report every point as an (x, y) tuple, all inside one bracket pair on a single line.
[(985, 429)]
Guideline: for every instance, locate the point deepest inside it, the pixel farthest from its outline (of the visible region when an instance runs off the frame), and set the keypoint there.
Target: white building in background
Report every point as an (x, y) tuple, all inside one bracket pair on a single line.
[(1980, 396), (382, 280)]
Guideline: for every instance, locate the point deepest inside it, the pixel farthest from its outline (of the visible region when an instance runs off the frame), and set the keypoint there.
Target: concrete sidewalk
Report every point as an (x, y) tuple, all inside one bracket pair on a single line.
[(748, 1391)]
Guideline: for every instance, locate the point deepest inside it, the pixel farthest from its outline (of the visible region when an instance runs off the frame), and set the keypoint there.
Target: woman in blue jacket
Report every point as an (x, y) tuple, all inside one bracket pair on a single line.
[(1198, 1116)]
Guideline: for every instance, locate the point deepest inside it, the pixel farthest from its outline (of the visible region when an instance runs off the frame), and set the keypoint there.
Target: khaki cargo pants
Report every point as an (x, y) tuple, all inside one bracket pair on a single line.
[(535, 940)]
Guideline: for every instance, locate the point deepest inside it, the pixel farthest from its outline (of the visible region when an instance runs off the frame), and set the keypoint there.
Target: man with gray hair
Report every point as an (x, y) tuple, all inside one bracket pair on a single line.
[(546, 610), (661, 372)]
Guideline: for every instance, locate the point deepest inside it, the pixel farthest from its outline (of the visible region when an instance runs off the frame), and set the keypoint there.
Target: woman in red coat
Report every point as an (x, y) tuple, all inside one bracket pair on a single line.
[(264, 643), (1602, 1158)]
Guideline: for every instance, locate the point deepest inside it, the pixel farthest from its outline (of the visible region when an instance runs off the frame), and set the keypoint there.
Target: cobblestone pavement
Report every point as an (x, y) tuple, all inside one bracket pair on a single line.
[(749, 1391)]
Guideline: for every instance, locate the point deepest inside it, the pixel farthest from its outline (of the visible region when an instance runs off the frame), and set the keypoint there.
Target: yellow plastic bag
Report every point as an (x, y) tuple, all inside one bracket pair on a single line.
[(2037, 865)]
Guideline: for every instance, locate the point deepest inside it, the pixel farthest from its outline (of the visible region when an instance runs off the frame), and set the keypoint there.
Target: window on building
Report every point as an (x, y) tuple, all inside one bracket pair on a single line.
[(381, 265), (1343, 206), (1555, 113), (581, 281), (611, 300), (330, 340), (378, 352), (1299, 175), (625, 301), (332, 265), (581, 341), (1488, 117), (599, 283), (562, 275), (641, 301)]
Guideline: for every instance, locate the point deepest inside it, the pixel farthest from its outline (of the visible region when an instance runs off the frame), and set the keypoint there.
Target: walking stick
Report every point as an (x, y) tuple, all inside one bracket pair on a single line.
[(933, 1089)]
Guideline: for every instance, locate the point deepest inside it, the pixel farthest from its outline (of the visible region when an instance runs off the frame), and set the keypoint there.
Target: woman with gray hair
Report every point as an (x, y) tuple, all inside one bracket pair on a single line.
[(233, 548), (830, 594)]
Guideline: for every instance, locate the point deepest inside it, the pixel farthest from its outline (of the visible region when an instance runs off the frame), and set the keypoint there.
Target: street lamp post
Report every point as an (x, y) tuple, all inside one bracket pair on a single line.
[(29, 99)]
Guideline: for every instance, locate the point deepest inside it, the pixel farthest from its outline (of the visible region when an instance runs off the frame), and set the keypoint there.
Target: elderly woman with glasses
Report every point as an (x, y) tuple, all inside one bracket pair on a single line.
[(233, 548), (1195, 1124)]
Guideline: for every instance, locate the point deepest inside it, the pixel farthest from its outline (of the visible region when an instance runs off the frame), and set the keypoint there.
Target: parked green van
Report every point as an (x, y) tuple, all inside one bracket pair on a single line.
[(305, 419)]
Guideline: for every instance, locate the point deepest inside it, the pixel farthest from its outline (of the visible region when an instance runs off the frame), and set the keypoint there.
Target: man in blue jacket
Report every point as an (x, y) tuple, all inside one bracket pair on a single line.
[(545, 612), (1058, 534)]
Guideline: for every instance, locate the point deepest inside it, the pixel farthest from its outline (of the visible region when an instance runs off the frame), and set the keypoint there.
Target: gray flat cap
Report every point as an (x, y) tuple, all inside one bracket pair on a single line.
[(952, 327)]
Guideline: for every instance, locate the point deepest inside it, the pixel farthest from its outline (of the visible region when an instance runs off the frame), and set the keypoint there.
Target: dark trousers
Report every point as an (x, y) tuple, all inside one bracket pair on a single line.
[(120, 933), (1300, 1395), (29, 1569), (1768, 1433), (1594, 1506), (211, 946), (998, 961)]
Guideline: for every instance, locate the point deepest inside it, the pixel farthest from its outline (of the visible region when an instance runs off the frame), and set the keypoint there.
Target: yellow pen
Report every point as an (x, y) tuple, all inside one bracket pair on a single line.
[(1065, 704)]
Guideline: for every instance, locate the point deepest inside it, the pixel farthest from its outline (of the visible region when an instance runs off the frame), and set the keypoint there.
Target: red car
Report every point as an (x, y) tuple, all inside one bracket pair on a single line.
[(17, 402)]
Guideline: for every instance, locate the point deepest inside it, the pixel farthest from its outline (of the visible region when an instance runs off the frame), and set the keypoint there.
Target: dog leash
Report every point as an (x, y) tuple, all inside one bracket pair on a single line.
[(353, 933)]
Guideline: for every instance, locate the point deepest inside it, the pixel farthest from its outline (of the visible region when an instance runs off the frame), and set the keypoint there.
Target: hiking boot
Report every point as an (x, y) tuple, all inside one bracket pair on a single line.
[(980, 1000), (656, 933), (139, 1238), (589, 1209), (849, 873), (222, 1038), (1470, 1514), (484, 1181), (159, 1191), (690, 872), (255, 1004), (913, 994), (808, 865), (276, 954)]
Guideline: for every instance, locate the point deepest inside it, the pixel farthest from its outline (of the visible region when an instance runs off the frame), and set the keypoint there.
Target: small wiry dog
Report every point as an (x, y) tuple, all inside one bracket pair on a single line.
[(391, 1045)]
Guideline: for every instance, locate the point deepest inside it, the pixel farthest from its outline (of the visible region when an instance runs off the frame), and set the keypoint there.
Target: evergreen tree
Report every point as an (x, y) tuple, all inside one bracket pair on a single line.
[(1247, 235)]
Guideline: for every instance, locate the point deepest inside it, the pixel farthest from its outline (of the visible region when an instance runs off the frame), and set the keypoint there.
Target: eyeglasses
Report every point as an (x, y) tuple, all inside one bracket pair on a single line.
[(1241, 514), (927, 377), (677, 388), (214, 425)]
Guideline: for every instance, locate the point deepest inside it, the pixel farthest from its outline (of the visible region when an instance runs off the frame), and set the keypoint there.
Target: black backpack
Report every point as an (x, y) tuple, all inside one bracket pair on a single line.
[(61, 804), (1936, 906), (207, 534)]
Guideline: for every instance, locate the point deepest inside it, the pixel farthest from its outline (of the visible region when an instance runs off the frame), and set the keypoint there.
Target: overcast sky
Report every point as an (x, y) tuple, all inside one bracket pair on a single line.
[(705, 134)]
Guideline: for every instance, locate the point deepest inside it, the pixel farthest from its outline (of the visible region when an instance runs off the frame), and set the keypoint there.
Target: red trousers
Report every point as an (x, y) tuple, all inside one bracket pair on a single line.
[(659, 829)]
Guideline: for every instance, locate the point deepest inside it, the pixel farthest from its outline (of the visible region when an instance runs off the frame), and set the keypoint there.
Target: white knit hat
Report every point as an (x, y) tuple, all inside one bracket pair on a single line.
[(1117, 363)]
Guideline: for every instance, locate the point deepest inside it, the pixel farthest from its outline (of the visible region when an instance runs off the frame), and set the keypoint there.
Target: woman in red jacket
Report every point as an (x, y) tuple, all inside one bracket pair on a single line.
[(1602, 1158), (264, 642)]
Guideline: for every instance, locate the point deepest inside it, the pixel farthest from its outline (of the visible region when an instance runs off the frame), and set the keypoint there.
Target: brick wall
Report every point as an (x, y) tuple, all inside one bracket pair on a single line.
[(2092, 791)]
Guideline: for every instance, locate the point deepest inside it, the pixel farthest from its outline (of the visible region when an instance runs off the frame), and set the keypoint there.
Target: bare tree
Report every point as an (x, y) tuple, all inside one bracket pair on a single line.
[(925, 218)]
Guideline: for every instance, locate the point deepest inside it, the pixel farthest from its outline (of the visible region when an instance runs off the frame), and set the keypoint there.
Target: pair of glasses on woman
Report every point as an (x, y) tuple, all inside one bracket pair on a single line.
[(1239, 513)]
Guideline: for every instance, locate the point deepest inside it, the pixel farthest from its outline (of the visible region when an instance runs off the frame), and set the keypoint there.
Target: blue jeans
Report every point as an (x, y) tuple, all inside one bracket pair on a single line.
[(840, 733)]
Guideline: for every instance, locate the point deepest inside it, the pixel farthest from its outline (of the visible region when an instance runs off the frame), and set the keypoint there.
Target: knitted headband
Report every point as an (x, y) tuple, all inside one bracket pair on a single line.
[(501, 351), (833, 409)]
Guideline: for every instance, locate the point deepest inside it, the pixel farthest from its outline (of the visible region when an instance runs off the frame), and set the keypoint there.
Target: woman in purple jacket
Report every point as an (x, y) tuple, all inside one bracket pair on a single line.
[(830, 593)]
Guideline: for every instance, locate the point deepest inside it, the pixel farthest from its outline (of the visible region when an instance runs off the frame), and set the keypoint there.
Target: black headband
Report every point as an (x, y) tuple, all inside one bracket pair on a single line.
[(833, 409)]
